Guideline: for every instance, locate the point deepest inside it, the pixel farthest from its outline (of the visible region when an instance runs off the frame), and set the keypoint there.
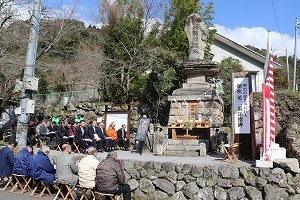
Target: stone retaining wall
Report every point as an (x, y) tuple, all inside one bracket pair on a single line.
[(155, 180)]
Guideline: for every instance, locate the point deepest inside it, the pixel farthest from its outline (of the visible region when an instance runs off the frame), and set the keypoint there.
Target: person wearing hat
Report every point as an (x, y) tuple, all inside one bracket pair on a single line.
[(110, 177)]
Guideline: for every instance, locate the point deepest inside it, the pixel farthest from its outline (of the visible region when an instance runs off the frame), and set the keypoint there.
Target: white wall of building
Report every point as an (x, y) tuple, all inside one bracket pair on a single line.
[(221, 51)]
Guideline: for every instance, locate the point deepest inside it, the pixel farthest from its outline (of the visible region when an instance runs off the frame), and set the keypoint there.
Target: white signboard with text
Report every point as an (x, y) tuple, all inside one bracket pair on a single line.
[(241, 105)]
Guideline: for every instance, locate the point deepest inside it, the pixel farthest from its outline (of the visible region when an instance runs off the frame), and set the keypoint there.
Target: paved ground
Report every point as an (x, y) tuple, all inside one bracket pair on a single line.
[(13, 196), (211, 159)]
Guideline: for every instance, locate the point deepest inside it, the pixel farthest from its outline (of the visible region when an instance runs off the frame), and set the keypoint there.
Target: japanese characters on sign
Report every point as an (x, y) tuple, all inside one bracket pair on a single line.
[(195, 38), (241, 105)]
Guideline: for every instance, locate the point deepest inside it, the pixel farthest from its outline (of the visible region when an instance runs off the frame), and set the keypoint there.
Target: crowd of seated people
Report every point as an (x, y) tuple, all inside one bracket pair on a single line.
[(82, 134), (106, 176)]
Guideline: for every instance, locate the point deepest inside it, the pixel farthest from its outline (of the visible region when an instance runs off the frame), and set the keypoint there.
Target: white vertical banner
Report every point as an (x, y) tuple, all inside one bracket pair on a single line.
[(241, 105)]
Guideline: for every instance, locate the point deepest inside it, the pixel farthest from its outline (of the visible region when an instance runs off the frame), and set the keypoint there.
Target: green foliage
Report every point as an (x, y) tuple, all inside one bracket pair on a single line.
[(280, 79), (227, 67), (43, 85), (174, 36), (59, 87)]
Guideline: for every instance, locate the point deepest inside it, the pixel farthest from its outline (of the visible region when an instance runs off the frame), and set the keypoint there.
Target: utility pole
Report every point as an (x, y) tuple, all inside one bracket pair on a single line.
[(287, 69), (295, 56), (29, 82)]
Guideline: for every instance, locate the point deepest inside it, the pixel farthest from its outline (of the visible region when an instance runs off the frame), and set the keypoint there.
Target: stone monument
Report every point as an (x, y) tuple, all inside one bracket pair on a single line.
[(197, 99)]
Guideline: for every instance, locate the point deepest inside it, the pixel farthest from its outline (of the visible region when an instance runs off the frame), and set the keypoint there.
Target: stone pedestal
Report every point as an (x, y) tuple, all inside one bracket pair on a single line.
[(196, 100)]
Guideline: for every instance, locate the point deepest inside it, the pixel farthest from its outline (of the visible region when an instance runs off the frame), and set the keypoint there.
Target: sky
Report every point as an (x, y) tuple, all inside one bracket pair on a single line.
[(249, 21), (246, 22)]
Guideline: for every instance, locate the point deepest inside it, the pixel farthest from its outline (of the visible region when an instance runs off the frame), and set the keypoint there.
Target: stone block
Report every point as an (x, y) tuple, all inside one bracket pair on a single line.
[(205, 193), (173, 113), (202, 149), (288, 164), (262, 163), (164, 185), (159, 150), (195, 78), (178, 196), (182, 112), (175, 105)]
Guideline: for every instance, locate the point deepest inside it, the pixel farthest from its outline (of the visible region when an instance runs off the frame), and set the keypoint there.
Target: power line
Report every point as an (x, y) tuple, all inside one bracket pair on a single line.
[(277, 23)]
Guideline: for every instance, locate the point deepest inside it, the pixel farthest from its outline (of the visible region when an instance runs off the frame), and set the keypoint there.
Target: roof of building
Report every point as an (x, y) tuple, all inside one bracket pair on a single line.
[(244, 49)]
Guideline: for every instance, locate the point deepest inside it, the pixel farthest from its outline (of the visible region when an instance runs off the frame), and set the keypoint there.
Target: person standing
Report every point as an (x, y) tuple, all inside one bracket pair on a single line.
[(66, 169), (110, 177), (23, 161), (7, 159), (87, 168), (142, 133)]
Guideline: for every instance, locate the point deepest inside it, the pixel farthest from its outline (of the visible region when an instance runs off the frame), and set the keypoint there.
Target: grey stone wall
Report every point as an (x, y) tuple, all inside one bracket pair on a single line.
[(155, 180)]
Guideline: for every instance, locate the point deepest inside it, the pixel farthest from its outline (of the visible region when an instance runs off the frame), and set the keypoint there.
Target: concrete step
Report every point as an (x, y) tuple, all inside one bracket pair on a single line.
[(183, 148), (182, 153), (183, 142), (205, 86)]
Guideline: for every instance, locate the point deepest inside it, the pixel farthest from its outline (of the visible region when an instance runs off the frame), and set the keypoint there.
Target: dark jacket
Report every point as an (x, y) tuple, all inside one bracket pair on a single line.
[(90, 132), (109, 175), (43, 130), (42, 168), (78, 133), (22, 163), (62, 131), (122, 134), (101, 133), (6, 161)]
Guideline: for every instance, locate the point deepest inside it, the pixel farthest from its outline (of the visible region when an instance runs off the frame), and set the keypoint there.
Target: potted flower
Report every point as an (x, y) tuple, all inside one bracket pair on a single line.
[(188, 125)]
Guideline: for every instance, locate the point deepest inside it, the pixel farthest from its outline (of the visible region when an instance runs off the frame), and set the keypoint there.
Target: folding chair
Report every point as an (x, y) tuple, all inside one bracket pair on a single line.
[(2, 179), (18, 183), (58, 148), (39, 143), (76, 150), (84, 191), (69, 189), (230, 152), (9, 183), (38, 184), (103, 195)]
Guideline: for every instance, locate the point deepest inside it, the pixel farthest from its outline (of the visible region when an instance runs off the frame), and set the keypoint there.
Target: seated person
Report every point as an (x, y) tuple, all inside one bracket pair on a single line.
[(89, 136), (22, 162), (103, 140), (62, 133), (122, 137), (112, 133), (110, 177), (42, 168), (87, 168), (80, 136), (66, 169), (42, 132), (97, 137), (7, 159)]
